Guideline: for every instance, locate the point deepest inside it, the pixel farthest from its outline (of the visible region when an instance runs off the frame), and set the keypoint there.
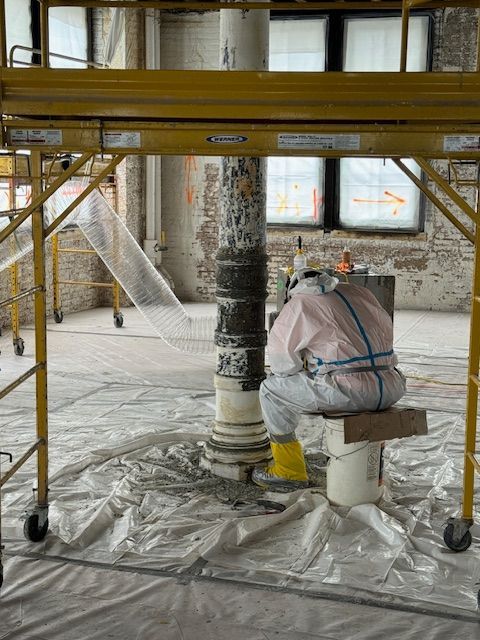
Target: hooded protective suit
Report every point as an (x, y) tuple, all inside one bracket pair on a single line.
[(330, 349)]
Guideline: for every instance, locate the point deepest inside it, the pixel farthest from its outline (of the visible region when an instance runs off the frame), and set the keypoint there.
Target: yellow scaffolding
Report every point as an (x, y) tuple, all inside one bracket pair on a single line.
[(114, 285), (397, 115), (14, 172)]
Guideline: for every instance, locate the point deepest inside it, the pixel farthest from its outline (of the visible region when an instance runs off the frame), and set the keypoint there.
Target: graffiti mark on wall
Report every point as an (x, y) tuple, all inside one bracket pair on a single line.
[(190, 167), (395, 201)]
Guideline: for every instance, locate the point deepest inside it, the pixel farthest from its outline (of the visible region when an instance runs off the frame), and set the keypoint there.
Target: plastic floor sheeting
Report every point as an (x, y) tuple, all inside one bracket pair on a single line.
[(143, 544)]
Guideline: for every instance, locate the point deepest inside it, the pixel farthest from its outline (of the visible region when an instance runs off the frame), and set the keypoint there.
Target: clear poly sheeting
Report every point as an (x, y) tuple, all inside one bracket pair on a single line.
[(109, 236), (126, 489), (105, 603)]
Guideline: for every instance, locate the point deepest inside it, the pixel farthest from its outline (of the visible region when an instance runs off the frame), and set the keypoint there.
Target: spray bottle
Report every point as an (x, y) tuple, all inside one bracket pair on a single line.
[(300, 259)]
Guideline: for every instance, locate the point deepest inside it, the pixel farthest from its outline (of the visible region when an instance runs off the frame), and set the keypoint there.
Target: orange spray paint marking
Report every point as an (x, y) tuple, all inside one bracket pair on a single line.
[(283, 203), (397, 201), (316, 205), (190, 166)]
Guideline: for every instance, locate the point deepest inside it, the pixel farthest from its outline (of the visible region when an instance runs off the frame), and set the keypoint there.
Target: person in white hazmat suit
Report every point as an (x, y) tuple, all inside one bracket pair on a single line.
[(330, 350)]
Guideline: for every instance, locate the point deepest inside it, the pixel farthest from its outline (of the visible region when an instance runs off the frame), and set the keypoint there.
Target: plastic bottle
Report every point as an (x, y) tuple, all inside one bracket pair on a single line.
[(300, 259), (347, 257)]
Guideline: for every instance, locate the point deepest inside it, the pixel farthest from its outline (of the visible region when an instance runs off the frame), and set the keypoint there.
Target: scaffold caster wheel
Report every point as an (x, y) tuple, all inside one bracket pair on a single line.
[(118, 320), (19, 347), (454, 542), (58, 316), (32, 531)]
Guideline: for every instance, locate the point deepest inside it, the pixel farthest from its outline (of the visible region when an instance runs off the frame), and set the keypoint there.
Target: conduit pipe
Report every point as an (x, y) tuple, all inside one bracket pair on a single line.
[(115, 245)]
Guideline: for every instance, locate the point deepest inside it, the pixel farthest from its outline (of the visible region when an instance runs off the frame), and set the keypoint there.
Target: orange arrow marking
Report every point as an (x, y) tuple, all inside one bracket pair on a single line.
[(395, 200)]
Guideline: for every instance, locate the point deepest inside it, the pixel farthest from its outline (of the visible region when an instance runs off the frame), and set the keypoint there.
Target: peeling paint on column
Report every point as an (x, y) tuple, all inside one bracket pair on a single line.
[(239, 437)]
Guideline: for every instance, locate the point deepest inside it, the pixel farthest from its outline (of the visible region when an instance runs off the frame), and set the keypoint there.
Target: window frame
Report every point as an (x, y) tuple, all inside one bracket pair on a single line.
[(335, 32), (36, 32)]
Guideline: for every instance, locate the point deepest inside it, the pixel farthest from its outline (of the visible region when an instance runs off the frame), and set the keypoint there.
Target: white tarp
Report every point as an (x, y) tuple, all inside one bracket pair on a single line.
[(126, 489)]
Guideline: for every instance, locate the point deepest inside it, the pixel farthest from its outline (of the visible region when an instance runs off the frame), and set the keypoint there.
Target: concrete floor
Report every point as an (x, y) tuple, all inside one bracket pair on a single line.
[(45, 597)]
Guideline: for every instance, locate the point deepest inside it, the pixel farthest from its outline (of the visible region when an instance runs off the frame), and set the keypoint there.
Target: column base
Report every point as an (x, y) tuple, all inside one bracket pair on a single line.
[(235, 471), (233, 462)]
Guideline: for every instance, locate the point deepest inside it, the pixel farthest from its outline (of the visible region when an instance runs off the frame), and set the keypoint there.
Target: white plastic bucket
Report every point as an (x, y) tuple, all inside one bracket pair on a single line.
[(354, 471)]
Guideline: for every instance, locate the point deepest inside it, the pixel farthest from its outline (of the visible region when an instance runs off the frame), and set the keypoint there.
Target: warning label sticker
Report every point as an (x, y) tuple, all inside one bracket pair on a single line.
[(461, 143), (373, 461), (319, 141), (43, 137), (122, 139)]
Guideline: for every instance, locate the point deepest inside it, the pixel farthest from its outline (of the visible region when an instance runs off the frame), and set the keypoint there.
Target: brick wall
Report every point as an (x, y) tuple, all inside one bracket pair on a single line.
[(433, 269), (72, 267)]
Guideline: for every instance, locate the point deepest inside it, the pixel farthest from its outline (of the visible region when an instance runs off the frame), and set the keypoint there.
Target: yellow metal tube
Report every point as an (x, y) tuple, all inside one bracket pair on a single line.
[(20, 462), (433, 198), (91, 186), (404, 36), (3, 35), (40, 332), (472, 388), (238, 96), (478, 43), (87, 283), (116, 297), (401, 140), (20, 296), (76, 250), (42, 197), (44, 37), (14, 314), (214, 5), (475, 379), (55, 273), (16, 383), (474, 461), (446, 188), (14, 311)]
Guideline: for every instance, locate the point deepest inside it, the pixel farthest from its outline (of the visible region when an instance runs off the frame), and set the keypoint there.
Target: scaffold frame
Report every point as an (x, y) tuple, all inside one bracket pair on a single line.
[(398, 115)]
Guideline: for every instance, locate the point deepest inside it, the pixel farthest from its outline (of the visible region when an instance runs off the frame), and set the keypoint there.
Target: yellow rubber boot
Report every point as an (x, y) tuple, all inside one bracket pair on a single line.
[(288, 461)]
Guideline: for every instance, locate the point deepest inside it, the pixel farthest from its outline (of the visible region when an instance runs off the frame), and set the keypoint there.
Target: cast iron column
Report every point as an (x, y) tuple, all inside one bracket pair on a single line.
[(239, 437)]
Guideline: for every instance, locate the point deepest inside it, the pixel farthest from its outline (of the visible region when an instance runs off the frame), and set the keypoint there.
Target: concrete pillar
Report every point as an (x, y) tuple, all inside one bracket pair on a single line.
[(239, 437)]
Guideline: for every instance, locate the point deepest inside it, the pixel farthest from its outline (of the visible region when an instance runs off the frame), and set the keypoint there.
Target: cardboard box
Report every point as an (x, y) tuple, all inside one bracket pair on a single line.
[(385, 425)]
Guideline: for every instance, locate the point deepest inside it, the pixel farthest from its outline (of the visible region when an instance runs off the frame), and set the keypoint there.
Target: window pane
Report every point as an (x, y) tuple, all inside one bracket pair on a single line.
[(297, 45), (373, 44), (295, 185), (295, 190), (68, 35), (18, 25), (375, 194)]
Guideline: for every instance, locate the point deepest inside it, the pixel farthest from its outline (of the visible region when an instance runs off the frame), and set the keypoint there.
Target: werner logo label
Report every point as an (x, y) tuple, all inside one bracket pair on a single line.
[(227, 139)]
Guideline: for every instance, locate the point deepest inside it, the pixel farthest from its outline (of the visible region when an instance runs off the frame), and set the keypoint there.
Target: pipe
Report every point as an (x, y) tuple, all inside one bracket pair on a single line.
[(153, 202)]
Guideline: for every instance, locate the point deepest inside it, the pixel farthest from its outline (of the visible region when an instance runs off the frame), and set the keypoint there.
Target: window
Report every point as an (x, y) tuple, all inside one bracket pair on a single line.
[(351, 193), (295, 185), (68, 35), (68, 32)]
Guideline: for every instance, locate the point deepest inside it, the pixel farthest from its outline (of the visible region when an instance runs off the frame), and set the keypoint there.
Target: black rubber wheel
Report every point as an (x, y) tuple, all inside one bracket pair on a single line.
[(58, 316), (1, 576), (31, 530), (456, 545), (19, 347), (118, 320)]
